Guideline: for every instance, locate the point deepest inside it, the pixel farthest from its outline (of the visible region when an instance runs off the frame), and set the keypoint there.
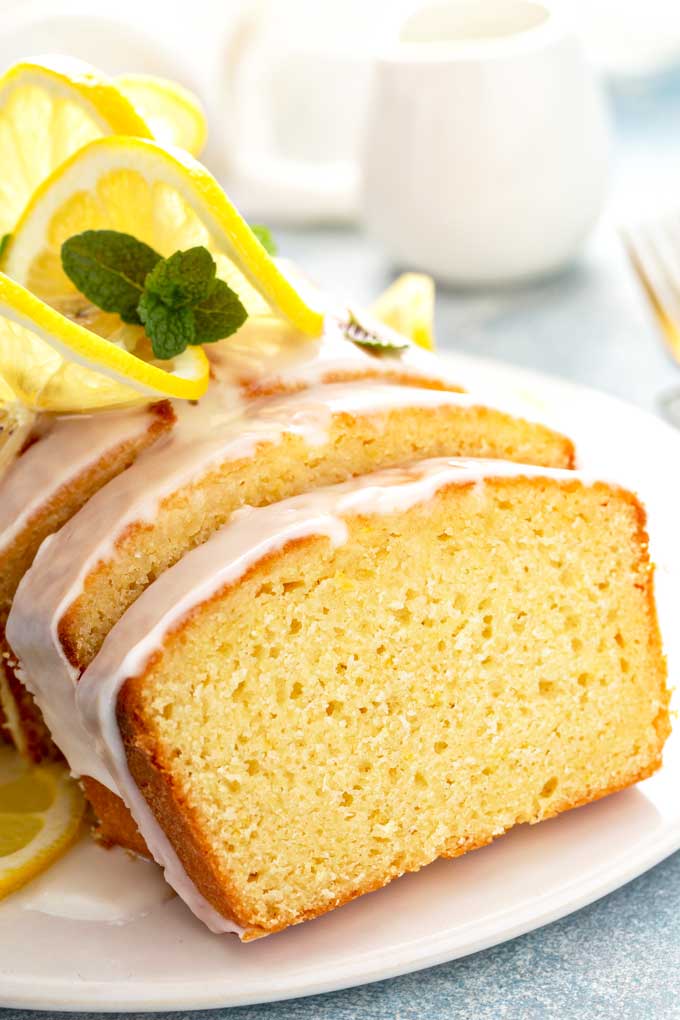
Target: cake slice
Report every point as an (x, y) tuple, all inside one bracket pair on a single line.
[(339, 688), (64, 462)]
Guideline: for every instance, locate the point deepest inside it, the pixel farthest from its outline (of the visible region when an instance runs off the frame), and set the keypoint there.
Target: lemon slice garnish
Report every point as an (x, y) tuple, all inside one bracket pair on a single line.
[(163, 197), (173, 113), (49, 108), (51, 363), (408, 307), (59, 352), (41, 811)]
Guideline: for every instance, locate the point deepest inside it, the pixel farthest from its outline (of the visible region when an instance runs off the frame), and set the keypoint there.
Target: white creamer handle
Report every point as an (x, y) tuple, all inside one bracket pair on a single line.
[(270, 184)]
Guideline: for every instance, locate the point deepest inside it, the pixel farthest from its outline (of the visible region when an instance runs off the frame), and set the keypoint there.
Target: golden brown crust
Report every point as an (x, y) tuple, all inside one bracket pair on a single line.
[(175, 818), (5, 735), (115, 825), (156, 783)]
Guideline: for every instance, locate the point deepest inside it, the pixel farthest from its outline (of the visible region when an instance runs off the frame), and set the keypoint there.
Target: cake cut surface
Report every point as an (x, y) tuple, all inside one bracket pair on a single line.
[(342, 687)]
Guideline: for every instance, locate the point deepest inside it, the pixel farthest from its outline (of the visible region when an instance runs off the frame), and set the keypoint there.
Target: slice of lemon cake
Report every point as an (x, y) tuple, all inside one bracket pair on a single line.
[(63, 463), (341, 687)]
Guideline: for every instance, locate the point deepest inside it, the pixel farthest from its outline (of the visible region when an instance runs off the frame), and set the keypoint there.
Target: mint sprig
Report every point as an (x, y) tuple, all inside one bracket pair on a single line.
[(179, 300)]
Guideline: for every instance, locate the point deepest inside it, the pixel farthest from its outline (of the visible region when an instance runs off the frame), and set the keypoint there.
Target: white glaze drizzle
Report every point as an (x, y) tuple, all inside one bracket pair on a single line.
[(66, 448), (94, 747), (266, 354)]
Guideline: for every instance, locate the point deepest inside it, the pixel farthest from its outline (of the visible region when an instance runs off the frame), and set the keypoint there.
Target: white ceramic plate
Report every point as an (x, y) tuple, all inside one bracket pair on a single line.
[(166, 960)]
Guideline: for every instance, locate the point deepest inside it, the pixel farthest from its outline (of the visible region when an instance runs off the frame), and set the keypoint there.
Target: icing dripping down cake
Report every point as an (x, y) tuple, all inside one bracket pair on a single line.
[(64, 462)]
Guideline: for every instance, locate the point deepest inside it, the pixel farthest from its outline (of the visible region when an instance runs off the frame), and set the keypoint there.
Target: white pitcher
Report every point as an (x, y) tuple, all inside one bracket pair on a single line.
[(486, 149)]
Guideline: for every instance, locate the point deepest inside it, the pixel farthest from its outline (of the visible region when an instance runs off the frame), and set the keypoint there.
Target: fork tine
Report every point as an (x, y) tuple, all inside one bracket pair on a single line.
[(655, 257), (665, 245)]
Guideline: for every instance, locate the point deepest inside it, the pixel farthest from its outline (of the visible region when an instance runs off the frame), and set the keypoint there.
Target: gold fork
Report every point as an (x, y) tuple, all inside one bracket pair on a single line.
[(654, 251)]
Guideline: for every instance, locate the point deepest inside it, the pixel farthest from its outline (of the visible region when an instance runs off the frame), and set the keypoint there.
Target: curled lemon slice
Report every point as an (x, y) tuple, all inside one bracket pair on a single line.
[(164, 198), (41, 811), (58, 352), (174, 114), (408, 307), (49, 108), (49, 362)]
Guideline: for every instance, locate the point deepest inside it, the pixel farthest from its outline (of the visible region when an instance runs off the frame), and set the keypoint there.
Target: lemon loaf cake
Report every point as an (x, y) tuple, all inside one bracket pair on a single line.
[(341, 687), (64, 461), (222, 454)]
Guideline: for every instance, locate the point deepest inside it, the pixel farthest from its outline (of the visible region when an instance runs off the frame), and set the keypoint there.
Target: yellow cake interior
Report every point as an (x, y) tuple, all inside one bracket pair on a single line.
[(343, 715)]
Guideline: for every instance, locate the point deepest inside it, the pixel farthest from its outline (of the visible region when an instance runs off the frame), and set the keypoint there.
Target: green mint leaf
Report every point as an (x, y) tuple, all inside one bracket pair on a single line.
[(183, 279), (4, 241), (219, 314), (109, 268), (170, 330), (264, 236), (375, 341), (179, 300)]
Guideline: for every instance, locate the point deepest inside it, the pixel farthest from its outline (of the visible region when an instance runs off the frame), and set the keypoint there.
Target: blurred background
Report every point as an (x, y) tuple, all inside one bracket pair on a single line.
[(499, 145)]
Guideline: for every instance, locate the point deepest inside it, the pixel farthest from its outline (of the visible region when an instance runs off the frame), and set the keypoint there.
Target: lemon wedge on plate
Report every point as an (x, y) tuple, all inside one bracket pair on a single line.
[(49, 108), (408, 307), (174, 114), (41, 812)]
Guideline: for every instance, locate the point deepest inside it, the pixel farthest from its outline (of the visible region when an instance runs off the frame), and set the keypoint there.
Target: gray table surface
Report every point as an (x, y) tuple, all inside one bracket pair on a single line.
[(620, 957)]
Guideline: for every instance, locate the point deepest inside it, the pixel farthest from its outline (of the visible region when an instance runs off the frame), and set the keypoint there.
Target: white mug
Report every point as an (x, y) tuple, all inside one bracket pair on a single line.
[(486, 150), (294, 83)]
